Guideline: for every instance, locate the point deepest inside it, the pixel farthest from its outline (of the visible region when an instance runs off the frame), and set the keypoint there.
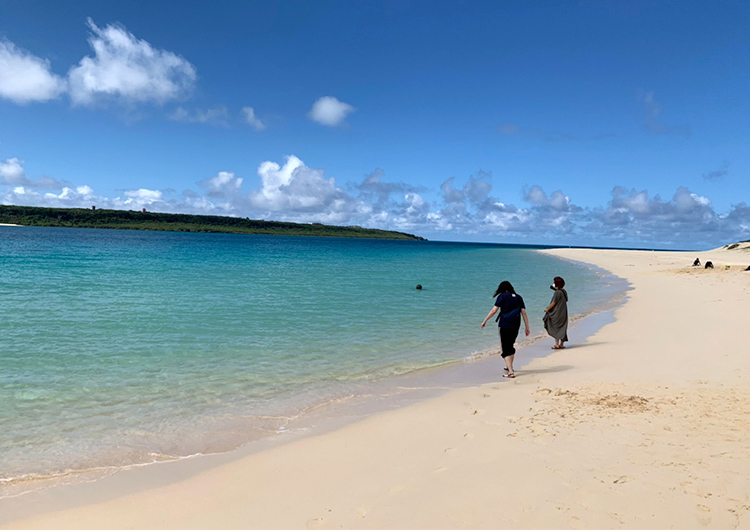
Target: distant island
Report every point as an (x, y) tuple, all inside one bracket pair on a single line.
[(144, 220)]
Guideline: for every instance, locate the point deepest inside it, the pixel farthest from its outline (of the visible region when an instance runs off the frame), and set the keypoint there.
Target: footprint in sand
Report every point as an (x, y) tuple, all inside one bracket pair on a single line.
[(440, 469), (468, 435), (477, 412), (704, 517), (448, 450), (622, 480), (314, 523)]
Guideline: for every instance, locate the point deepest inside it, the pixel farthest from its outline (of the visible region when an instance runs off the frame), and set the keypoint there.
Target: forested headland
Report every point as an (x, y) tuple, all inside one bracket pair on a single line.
[(145, 220)]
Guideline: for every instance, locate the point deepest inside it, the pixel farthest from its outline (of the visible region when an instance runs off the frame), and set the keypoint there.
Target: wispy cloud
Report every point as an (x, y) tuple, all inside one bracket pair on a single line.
[(551, 136), (653, 122), (216, 116), (717, 174), (248, 114)]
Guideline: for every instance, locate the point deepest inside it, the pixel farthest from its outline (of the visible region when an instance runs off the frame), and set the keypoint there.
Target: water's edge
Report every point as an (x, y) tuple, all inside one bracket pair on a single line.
[(373, 398)]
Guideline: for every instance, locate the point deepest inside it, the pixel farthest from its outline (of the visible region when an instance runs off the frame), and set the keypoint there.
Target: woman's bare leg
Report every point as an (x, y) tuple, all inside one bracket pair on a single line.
[(509, 364)]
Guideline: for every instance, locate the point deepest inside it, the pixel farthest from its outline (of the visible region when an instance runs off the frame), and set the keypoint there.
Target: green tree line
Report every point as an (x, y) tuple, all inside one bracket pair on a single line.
[(144, 220)]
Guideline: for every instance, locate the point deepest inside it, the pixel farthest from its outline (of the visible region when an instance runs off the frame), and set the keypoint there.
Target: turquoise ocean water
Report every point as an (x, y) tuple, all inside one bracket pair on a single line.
[(121, 348)]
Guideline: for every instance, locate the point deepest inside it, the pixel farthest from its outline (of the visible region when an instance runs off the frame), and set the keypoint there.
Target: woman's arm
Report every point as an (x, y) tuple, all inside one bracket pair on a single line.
[(489, 316), (525, 321), (552, 302)]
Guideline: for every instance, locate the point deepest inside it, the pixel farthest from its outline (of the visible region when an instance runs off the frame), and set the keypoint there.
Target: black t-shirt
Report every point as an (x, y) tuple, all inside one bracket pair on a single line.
[(510, 310)]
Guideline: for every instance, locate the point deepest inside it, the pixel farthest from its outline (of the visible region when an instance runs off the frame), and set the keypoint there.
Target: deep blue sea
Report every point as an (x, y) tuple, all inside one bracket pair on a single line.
[(120, 348)]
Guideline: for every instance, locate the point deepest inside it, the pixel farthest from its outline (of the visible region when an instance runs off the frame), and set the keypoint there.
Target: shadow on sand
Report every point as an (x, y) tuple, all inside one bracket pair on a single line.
[(561, 368), (584, 345)]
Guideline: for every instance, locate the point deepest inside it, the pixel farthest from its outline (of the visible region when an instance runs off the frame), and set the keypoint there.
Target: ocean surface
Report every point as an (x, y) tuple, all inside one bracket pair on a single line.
[(121, 348)]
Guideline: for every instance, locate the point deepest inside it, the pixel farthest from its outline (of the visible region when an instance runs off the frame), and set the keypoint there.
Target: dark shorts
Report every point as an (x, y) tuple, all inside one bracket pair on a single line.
[(507, 339)]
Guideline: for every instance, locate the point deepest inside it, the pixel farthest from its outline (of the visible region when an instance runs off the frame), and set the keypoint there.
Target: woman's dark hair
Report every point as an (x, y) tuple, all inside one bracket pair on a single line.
[(504, 287), (559, 282)]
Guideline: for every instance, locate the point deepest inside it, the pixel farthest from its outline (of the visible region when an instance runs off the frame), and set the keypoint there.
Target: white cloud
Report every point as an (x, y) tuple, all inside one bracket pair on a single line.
[(143, 194), (248, 114), (225, 185), (25, 78), (558, 201), (128, 69), (468, 210), (11, 171), (215, 116), (330, 111), (296, 192)]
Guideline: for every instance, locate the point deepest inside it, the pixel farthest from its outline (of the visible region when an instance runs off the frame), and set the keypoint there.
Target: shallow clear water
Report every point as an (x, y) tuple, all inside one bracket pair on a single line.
[(123, 347)]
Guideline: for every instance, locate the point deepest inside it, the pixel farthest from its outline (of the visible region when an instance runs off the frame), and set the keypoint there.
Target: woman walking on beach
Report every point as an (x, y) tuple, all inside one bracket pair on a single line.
[(556, 314), (511, 309)]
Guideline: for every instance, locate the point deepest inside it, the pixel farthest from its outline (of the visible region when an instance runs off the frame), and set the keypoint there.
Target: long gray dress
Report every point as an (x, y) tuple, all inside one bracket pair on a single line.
[(556, 320)]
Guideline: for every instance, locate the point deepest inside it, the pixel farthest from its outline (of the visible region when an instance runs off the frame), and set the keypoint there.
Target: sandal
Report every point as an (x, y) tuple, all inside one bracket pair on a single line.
[(510, 375)]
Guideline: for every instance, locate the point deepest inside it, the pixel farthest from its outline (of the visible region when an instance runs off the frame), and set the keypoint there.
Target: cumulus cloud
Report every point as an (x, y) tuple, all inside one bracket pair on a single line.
[(13, 173), (558, 201), (687, 217), (653, 122), (25, 78), (472, 209), (248, 114), (462, 209), (330, 111), (127, 69), (294, 189), (215, 116), (226, 187), (375, 190)]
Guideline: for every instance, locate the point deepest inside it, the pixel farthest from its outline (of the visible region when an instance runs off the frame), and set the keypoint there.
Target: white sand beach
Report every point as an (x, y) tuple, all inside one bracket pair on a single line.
[(643, 425)]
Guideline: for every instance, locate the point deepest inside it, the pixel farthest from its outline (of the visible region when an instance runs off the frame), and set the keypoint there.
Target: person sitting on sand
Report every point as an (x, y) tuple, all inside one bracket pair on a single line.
[(556, 314), (697, 262), (511, 308)]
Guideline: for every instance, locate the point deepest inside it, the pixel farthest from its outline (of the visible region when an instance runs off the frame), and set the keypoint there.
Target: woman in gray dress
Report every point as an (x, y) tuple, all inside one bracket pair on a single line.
[(556, 314)]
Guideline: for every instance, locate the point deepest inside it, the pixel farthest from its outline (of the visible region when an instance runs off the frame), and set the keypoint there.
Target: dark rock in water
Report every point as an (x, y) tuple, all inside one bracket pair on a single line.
[(419, 287)]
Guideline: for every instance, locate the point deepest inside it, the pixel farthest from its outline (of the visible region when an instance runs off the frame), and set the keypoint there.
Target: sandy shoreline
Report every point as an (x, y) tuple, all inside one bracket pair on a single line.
[(642, 426)]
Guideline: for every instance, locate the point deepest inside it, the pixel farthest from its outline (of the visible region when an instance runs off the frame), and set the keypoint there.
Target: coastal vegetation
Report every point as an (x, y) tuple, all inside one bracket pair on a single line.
[(145, 220)]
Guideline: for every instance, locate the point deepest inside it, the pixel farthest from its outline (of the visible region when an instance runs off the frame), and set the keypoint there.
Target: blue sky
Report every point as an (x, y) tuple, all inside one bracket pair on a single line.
[(581, 123)]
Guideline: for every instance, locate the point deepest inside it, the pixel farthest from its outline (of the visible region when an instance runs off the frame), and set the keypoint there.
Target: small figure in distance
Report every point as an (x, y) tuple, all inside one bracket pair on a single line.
[(419, 287), (697, 262), (709, 265), (511, 308), (556, 314)]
